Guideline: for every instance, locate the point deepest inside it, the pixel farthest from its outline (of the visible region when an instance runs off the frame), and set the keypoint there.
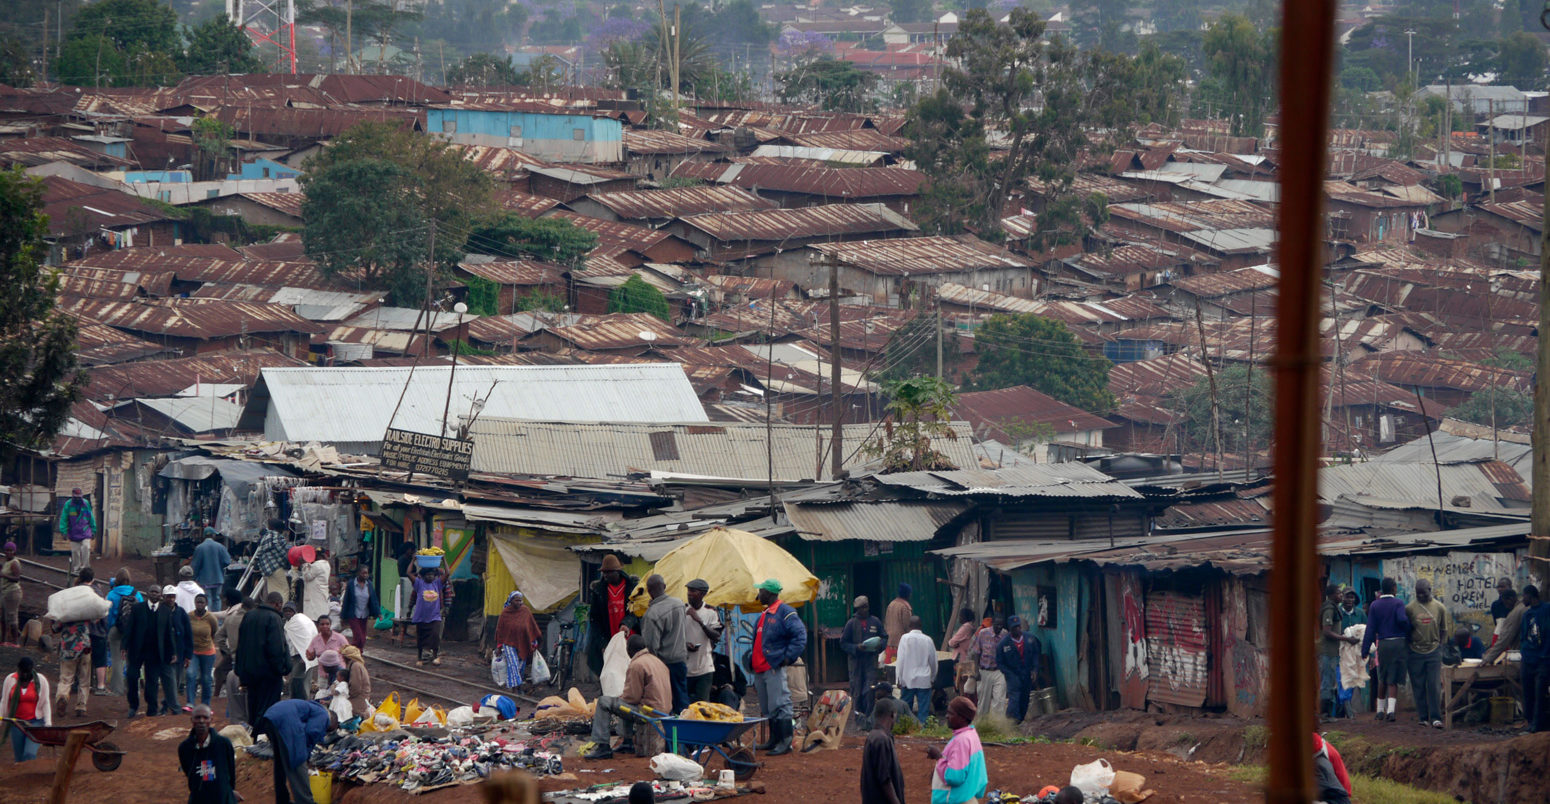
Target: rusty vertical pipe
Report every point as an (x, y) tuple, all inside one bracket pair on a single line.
[(1307, 53)]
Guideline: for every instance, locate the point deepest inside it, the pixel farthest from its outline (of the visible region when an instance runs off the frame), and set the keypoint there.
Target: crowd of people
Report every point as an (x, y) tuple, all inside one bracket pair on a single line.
[(1394, 642)]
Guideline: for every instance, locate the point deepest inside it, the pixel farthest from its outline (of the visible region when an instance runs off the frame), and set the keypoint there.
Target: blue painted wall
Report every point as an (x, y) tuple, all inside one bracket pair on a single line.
[(487, 123), (160, 176), (262, 168), (1059, 644)]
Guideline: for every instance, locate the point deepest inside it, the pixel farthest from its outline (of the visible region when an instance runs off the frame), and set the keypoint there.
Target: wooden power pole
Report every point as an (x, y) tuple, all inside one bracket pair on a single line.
[(1307, 59), (837, 436)]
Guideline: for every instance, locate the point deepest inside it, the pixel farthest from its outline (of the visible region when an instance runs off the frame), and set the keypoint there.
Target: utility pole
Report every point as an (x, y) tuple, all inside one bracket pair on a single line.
[(1490, 135), (837, 436), (1307, 60), (430, 274), (939, 336), (349, 36), (1216, 409)]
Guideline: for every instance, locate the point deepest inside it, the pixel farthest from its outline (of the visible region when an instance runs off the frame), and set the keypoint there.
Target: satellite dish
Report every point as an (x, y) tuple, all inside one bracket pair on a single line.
[(647, 336)]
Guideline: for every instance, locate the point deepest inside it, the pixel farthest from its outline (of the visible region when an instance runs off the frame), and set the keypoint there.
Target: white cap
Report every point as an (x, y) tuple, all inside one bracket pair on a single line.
[(169, 590)]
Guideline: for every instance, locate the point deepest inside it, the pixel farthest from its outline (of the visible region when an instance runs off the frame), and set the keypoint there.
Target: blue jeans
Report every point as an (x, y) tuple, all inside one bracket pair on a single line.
[(21, 747), (201, 671), (919, 702)]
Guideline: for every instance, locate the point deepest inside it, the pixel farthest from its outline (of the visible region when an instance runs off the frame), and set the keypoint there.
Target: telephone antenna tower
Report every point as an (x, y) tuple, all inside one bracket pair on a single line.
[(271, 23)]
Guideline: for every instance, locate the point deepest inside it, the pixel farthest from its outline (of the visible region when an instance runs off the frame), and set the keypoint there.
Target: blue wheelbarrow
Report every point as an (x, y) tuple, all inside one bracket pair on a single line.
[(702, 737)]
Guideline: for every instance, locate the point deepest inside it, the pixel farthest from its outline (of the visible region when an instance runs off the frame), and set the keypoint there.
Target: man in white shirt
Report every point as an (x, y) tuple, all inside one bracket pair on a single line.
[(299, 631), (314, 590), (702, 630), (916, 669)]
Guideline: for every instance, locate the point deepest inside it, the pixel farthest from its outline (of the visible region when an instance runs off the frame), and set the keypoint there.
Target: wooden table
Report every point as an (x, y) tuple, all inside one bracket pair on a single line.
[(1506, 672)]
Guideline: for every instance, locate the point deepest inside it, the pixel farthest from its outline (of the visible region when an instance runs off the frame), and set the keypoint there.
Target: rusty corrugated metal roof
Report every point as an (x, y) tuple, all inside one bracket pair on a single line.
[(168, 377), (790, 224), (922, 255), (283, 203), (657, 141), (512, 272), (272, 273), (824, 182), (679, 201), (1243, 280), (1412, 369), (202, 319), (623, 331)]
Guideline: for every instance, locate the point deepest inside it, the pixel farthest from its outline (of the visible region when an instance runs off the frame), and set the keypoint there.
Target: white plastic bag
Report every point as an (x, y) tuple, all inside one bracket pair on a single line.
[(460, 716), (616, 660), (675, 768), (384, 721), (539, 669), (76, 604), (498, 669), (1094, 778)]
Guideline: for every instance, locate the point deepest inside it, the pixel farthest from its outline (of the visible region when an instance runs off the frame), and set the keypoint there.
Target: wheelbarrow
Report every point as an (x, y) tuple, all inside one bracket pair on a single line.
[(105, 756), (703, 737)]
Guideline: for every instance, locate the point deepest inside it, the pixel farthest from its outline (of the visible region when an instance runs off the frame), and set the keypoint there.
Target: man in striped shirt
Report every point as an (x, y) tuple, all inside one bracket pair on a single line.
[(992, 684)]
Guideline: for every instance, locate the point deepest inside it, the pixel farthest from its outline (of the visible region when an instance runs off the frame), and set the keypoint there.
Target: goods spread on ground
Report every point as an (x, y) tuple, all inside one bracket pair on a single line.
[(421, 763)]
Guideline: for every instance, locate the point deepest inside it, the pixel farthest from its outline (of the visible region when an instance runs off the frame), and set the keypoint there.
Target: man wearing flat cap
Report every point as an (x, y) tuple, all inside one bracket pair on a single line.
[(702, 630), (778, 641), (862, 639)]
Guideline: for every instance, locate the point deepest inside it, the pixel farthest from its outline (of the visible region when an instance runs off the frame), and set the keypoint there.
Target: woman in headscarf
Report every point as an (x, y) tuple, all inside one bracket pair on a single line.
[(959, 777), (359, 680), (516, 637)]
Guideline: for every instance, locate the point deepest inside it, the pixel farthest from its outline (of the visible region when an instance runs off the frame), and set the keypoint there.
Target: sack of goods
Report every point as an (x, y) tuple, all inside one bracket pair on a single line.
[(707, 710), (76, 604)]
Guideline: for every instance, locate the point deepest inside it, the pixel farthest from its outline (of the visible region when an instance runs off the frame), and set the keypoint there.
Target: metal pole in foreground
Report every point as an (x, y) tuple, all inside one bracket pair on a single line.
[(1307, 53)]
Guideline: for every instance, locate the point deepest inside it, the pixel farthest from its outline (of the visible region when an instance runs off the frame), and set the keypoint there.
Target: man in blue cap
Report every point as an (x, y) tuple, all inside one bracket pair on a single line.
[(779, 638), (1018, 655)]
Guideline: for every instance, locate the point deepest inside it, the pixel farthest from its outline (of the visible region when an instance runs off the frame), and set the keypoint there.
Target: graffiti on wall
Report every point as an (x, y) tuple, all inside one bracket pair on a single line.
[(1465, 582), (1135, 629)]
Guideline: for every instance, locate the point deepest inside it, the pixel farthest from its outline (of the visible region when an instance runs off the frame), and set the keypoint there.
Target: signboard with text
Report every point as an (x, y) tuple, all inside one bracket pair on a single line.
[(426, 454)]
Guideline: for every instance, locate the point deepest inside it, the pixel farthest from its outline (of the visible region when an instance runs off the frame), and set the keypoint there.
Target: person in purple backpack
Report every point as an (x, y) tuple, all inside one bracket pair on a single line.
[(78, 524)]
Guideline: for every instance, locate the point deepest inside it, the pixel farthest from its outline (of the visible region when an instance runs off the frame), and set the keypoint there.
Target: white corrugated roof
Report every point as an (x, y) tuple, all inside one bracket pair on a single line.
[(354, 404), (200, 414)]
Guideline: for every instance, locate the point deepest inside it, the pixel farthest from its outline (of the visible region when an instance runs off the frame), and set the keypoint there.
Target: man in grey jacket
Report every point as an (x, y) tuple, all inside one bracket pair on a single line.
[(663, 628)]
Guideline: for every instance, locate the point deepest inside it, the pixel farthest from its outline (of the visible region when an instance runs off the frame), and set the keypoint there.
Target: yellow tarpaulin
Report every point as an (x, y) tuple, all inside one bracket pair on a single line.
[(731, 561), (546, 570)]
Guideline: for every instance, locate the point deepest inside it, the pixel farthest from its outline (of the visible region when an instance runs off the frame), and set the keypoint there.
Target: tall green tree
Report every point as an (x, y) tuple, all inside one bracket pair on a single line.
[(37, 343), (834, 85), (16, 63), (553, 240), (1520, 61), (216, 46), (365, 222), (375, 195), (447, 187), (910, 10), (1040, 352), (1043, 97), (636, 296), (1242, 401), (1241, 65), (121, 43), (919, 412), (483, 70)]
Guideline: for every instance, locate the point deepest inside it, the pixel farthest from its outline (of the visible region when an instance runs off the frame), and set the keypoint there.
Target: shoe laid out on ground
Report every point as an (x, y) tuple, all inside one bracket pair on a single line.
[(599, 751)]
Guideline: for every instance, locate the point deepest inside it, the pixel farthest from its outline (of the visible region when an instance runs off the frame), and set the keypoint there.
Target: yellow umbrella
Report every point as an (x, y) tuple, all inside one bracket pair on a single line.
[(732, 562)]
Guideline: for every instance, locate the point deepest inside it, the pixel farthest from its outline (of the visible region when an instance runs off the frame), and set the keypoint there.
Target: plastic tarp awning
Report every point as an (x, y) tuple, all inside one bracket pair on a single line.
[(731, 561), (545, 570), (239, 475)]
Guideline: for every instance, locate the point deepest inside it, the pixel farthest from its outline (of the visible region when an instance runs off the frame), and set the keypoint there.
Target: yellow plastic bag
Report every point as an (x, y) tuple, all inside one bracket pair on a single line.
[(391, 706), (412, 711)]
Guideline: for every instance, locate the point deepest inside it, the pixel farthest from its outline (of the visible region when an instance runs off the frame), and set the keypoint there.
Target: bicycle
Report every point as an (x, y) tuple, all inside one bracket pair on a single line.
[(561, 669)]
